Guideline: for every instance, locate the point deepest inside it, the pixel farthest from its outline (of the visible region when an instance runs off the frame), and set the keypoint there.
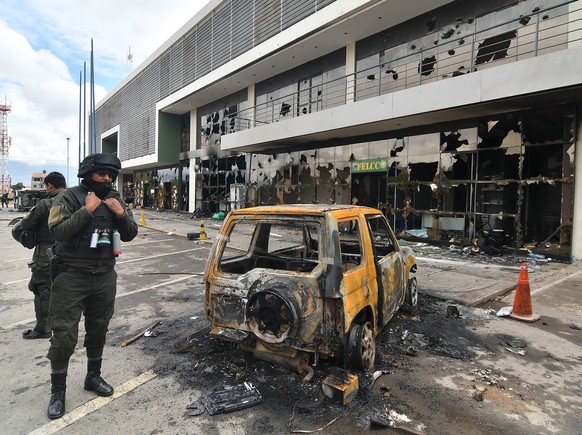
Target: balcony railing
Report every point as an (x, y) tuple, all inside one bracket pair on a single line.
[(540, 32)]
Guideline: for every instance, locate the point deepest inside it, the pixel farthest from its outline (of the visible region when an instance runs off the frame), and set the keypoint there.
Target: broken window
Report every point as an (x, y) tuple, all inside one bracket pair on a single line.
[(350, 244), (382, 236), (281, 245)]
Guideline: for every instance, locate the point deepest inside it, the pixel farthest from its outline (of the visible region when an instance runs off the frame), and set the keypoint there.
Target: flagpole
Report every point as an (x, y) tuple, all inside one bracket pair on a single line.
[(80, 108), (93, 122)]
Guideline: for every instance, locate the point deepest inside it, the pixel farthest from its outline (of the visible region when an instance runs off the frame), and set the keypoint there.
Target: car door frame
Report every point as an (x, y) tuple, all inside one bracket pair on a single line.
[(389, 273)]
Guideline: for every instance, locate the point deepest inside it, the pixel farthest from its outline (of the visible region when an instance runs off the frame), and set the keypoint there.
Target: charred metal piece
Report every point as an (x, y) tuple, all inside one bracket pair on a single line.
[(232, 399)]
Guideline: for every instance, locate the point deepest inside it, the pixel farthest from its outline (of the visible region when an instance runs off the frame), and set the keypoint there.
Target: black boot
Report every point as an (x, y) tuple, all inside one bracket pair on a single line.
[(94, 381), (56, 408)]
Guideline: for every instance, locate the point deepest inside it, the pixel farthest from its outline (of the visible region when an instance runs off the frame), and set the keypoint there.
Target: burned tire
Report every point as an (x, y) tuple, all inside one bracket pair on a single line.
[(361, 347), (411, 298)]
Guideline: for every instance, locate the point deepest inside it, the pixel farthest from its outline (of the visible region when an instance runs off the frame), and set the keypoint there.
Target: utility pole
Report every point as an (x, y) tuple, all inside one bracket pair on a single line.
[(4, 148)]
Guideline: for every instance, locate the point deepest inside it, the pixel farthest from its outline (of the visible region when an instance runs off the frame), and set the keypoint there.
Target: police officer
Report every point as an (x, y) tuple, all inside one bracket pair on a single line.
[(37, 221), (83, 220)]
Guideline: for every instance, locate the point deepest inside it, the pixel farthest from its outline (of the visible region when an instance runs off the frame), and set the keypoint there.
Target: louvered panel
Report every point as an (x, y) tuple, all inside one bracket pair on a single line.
[(319, 5), (221, 35), (242, 26), (165, 75), (294, 11), (189, 58), (267, 19), (176, 64), (204, 49)]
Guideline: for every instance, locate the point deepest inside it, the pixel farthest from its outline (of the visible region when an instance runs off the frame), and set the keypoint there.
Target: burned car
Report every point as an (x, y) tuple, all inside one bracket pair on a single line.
[(296, 283)]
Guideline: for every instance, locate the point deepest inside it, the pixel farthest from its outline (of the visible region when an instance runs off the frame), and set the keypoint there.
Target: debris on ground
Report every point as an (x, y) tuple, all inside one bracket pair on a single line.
[(229, 399), (203, 364), (146, 332), (340, 386)]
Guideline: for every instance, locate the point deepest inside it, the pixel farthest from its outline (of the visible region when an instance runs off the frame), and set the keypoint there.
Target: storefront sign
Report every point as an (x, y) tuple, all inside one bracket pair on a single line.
[(372, 165)]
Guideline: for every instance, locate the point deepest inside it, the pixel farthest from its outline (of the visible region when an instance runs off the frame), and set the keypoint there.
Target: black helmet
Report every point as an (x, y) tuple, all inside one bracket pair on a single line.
[(99, 161), (26, 238)]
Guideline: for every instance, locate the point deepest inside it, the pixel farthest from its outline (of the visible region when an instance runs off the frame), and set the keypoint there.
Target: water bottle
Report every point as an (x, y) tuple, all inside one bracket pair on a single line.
[(116, 243)]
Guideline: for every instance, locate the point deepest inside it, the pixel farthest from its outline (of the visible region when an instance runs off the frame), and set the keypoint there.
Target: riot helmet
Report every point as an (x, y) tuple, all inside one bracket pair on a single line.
[(99, 161)]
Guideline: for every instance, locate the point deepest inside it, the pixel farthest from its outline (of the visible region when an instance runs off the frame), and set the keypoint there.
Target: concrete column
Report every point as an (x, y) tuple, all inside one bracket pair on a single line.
[(350, 70), (577, 215), (118, 184), (251, 95), (194, 135)]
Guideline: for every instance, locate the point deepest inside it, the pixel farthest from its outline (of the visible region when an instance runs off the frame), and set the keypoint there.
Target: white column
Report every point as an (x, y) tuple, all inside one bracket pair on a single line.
[(350, 70), (118, 185), (577, 218), (194, 135), (251, 100)]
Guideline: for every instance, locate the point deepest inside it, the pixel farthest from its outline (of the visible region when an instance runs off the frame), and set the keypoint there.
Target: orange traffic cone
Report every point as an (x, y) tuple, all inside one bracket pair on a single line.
[(522, 303)]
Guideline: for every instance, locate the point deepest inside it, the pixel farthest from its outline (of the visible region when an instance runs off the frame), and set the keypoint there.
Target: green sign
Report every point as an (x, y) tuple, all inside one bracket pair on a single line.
[(372, 165)]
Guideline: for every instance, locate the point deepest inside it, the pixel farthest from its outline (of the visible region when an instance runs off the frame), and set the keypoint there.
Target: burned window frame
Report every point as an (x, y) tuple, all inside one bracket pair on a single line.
[(259, 252), (351, 261)]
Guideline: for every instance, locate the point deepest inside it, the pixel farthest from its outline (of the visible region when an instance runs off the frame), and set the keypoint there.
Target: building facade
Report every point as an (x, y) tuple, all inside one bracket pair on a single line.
[(37, 180), (456, 118)]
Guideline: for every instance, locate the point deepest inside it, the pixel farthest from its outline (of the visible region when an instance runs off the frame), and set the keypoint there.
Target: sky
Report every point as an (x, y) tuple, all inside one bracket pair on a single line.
[(43, 45)]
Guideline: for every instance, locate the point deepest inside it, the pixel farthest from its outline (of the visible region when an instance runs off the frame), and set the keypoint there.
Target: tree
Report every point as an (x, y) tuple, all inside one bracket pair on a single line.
[(18, 186)]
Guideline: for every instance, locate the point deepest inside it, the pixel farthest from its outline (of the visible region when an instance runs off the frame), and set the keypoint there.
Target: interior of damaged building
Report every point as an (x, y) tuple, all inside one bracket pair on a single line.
[(499, 186)]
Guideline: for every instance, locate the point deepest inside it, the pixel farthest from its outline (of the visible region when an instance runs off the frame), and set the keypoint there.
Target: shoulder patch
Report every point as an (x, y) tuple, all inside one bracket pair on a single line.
[(54, 214)]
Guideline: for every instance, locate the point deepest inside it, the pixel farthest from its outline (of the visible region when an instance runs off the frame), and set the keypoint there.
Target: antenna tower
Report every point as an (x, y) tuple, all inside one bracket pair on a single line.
[(4, 147)]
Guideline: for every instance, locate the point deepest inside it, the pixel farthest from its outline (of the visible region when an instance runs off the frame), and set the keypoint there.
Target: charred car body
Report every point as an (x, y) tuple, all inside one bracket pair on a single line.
[(293, 283)]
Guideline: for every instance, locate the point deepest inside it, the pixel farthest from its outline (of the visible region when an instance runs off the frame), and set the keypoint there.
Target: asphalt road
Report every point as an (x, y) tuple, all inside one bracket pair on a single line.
[(159, 279), (475, 373)]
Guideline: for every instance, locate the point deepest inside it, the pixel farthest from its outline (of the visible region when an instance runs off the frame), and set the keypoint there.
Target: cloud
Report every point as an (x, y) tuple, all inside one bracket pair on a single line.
[(44, 46)]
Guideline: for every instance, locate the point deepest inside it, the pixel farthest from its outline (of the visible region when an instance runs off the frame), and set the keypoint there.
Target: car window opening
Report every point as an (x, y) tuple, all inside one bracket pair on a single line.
[(350, 244), (281, 245)]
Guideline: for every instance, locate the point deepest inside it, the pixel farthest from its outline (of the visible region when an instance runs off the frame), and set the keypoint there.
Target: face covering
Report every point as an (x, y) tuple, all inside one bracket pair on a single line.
[(101, 189)]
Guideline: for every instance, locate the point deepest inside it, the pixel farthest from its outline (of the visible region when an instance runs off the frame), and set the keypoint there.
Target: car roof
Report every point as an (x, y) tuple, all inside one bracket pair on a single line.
[(309, 209)]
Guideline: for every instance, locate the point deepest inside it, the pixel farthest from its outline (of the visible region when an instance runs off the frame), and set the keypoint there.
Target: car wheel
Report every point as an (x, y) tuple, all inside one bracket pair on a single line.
[(411, 298), (362, 347)]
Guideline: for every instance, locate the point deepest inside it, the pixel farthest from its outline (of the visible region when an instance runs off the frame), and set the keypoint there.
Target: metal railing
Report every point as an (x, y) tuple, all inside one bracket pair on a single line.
[(540, 32)]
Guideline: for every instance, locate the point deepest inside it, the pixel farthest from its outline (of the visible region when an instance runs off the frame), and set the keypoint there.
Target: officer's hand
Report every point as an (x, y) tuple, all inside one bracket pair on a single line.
[(115, 206), (92, 201)]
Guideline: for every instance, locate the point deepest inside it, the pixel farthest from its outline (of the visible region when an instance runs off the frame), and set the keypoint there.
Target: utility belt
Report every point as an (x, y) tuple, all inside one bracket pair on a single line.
[(58, 266)]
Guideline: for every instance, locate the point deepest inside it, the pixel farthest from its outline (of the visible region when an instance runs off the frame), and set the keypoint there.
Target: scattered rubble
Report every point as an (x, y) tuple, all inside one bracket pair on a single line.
[(412, 345)]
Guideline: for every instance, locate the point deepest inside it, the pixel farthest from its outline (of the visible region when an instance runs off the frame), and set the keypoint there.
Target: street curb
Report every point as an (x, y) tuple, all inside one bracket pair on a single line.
[(491, 296), (171, 233)]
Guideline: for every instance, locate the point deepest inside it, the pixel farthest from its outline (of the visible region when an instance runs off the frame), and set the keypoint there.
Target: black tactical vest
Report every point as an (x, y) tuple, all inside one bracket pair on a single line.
[(103, 223)]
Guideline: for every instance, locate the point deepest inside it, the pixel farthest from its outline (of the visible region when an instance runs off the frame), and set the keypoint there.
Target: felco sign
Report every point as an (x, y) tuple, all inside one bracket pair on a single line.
[(372, 165)]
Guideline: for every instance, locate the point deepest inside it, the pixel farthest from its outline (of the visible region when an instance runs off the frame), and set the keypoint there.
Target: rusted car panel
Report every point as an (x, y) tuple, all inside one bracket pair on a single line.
[(307, 281)]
